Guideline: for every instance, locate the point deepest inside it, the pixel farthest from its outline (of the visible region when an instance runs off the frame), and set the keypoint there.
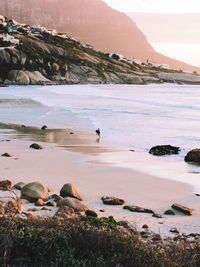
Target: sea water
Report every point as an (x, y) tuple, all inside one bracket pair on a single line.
[(132, 116)]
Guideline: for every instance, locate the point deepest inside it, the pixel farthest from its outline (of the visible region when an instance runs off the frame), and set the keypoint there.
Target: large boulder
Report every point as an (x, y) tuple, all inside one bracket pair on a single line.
[(34, 191), (22, 78), (72, 203), (193, 156), (69, 190), (164, 150), (37, 78)]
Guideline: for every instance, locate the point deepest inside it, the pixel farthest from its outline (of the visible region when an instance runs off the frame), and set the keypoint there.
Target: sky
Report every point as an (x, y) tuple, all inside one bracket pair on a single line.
[(156, 6), (174, 37)]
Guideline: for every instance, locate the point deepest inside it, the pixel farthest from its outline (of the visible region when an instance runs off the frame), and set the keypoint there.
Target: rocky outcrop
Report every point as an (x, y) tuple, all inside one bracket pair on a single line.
[(193, 156), (34, 191), (27, 77), (164, 150), (185, 78)]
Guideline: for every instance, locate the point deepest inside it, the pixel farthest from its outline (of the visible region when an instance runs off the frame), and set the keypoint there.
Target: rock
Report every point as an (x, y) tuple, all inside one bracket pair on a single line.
[(156, 215), (45, 208), (102, 210), (37, 78), (55, 197), (55, 66), (35, 146), (174, 230), (65, 212), (44, 127), (91, 213), (6, 155), (6, 185), (164, 150), (183, 209), (16, 205), (73, 203), (69, 190), (19, 186), (145, 226), (34, 191), (193, 156), (22, 78), (51, 203), (169, 212), (112, 201), (138, 209), (39, 202)]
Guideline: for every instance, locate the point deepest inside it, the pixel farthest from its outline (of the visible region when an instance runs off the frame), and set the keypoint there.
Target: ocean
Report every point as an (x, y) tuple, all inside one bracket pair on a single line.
[(129, 116)]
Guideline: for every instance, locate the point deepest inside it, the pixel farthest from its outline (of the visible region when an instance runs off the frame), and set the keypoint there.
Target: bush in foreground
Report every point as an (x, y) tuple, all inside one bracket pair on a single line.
[(86, 242)]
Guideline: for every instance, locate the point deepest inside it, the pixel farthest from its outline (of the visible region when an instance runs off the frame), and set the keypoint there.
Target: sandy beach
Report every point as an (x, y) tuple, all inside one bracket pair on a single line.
[(75, 157)]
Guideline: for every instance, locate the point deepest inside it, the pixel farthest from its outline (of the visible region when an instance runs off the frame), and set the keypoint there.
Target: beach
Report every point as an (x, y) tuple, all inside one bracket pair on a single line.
[(71, 156)]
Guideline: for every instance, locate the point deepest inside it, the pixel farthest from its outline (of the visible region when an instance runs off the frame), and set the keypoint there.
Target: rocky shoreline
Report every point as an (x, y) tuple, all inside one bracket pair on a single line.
[(44, 57)]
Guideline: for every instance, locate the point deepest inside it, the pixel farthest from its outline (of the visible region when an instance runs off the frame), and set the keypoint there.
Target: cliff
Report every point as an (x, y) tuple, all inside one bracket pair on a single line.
[(92, 22)]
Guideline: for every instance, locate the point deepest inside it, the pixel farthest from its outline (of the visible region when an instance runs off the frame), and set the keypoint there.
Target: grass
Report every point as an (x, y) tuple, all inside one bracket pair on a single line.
[(86, 241)]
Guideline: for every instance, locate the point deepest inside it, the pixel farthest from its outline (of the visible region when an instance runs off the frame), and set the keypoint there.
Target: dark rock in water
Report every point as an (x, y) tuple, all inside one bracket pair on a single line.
[(112, 201), (71, 133), (198, 195), (193, 156), (102, 210), (183, 209), (6, 155), (156, 215), (91, 213), (44, 127), (36, 146), (132, 150), (174, 230), (6, 185), (169, 212), (138, 209), (164, 150), (19, 186)]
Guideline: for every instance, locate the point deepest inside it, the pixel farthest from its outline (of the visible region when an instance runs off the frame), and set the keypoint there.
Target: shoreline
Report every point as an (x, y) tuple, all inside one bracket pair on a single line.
[(74, 158)]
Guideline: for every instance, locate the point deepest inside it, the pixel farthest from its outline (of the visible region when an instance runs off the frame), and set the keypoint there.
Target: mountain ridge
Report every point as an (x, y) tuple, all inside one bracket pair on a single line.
[(90, 21)]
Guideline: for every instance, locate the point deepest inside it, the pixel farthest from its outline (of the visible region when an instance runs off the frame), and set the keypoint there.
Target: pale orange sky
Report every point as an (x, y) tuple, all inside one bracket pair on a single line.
[(156, 6)]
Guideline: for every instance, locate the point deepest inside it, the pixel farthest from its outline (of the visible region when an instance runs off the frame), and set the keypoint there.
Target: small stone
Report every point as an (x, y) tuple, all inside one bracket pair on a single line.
[(55, 197), (169, 212), (6, 185), (134, 208), (174, 230), (39, 202), (91, 213), (36, 146), (145, 226), (156, 215), (102, 210), (132, 150), (112, 201), (51, 203), (19, 186), (6, 155), (45, 208)]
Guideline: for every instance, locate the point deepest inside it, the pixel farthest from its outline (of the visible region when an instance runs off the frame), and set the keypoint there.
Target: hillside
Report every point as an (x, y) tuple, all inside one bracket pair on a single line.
[(92, 22), (36, 55)]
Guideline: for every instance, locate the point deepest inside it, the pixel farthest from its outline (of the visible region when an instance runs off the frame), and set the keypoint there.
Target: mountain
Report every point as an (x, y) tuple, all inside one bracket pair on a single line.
[(92, 22), (37, 55)]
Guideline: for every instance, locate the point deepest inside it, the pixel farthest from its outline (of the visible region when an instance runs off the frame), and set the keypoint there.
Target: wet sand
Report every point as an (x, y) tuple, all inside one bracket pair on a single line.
[(77, 158)]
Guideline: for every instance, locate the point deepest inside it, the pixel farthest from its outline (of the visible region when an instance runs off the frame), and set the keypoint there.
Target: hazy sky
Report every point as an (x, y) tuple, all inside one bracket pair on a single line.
[(158, 6)]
